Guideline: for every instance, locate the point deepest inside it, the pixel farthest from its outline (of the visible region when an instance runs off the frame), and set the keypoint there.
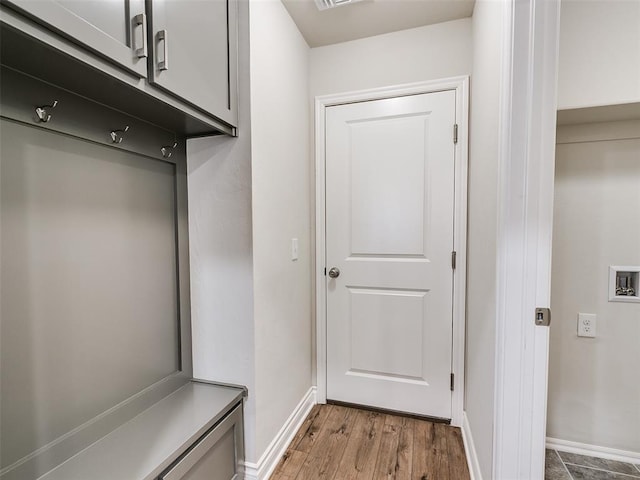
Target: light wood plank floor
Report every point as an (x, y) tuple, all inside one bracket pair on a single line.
[(341, 443)]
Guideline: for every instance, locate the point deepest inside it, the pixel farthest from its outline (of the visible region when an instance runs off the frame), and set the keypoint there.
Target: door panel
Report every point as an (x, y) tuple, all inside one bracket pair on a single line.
[(197, 49), (370, 311), (108, 28), (109, 17), (385, 184), (389, 227)]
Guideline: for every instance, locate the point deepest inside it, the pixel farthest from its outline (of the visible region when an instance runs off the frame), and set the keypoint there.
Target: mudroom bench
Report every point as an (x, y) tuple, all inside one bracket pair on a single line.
[(196, 432)]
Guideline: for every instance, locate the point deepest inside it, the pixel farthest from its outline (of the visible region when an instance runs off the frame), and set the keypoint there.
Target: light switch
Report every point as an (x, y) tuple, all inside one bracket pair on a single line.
[(294, 249)]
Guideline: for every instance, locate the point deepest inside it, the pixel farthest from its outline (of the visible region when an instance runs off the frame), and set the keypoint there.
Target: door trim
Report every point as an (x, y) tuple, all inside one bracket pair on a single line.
[(525, 220), (461, 87)]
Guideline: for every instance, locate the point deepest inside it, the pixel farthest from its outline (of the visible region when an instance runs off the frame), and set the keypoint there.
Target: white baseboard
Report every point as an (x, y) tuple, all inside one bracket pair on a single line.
[(470, 449), (593, 450), (274, 452)]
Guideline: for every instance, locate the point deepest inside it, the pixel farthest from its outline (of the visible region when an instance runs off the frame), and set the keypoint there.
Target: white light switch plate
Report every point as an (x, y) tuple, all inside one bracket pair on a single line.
[(294, 249), (586, 325)]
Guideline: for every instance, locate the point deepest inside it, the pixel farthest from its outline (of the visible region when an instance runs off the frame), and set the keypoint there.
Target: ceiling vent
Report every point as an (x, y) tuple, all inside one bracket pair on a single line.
[(326, 4)]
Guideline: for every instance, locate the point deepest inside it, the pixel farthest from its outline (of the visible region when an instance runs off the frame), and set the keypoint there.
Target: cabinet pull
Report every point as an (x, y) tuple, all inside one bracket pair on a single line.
[(164, 63), (141, 19)]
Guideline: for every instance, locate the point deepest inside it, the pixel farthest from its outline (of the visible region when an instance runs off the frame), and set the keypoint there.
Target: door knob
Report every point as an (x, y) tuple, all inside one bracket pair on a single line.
[(334, 272)]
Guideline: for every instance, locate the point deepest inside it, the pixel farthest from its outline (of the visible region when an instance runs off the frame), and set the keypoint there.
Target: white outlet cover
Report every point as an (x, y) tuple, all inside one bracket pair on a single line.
[(587, 325)]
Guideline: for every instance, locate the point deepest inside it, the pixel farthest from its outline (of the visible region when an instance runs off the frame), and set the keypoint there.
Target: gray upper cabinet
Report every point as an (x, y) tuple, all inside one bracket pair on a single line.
[(194, 53), (181, 54), (114, 29)]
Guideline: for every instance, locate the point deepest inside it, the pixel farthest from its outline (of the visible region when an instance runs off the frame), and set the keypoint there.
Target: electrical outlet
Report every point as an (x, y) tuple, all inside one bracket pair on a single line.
[(586, 325)]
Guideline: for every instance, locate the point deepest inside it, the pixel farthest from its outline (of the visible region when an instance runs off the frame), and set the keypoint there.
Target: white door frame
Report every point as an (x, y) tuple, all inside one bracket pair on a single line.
[(525, 221), (461, 86)]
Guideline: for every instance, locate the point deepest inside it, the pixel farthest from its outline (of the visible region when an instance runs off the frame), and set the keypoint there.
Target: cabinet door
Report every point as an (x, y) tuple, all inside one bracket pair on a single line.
[(217, 456), (115, 29), (194, 46)]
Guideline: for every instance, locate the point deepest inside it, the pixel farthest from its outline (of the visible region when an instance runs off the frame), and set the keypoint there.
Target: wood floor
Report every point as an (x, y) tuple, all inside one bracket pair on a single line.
[(340, 443)]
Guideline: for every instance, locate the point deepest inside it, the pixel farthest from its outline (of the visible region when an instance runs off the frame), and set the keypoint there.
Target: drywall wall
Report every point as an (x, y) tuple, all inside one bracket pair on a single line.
[(414, 55), (281, 194), (220, 240), (248, 197), (594, 393), (599, 53), (487, 27)]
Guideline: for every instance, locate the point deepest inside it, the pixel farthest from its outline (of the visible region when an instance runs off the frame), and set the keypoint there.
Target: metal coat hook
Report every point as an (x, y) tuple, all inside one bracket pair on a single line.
[(117, 135), (167, 151), (42, 112)]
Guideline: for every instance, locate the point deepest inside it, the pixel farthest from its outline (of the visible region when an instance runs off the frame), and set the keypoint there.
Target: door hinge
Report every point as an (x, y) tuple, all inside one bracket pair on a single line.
[(452, 381), (453, 260), (455, 133)]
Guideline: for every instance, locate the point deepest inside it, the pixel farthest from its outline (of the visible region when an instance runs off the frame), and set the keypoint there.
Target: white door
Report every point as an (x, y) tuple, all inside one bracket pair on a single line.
[(389, 232)]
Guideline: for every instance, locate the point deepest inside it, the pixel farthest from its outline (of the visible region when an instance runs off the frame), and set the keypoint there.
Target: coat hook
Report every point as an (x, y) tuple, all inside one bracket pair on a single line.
[(167, 151), (117, 135), (42, 113)]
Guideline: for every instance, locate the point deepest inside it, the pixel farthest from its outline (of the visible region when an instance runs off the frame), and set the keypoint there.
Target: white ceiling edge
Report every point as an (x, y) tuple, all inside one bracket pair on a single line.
[(370, 17)]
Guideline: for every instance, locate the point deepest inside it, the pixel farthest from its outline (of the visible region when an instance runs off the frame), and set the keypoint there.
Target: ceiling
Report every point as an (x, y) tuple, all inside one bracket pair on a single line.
[(370, 17)]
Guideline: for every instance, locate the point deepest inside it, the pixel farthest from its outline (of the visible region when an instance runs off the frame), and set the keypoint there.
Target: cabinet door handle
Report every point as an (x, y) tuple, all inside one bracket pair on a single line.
[(141, 19), (163, 64)]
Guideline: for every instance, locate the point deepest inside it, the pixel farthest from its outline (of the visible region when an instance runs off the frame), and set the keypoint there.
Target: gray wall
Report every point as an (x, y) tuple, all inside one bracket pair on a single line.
[(594, 392), (248, 197), (280, 204), (599, 60), (417, 54)]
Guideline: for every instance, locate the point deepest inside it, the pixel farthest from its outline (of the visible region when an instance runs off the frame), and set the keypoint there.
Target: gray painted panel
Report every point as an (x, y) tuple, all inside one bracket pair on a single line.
[(214, 456), (66, 447), (201, 47), (144, 447), (75, 115), (104, 27), (218, 464), (110, 17), (182, 251), (88, 300)]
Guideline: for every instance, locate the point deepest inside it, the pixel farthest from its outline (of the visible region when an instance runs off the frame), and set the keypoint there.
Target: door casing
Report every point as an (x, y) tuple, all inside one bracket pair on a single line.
[(461, 87), (528, 105)]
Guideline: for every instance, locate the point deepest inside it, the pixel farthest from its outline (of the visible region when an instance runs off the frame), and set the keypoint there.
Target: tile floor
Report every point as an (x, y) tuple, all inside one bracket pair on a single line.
[(569, 466)]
